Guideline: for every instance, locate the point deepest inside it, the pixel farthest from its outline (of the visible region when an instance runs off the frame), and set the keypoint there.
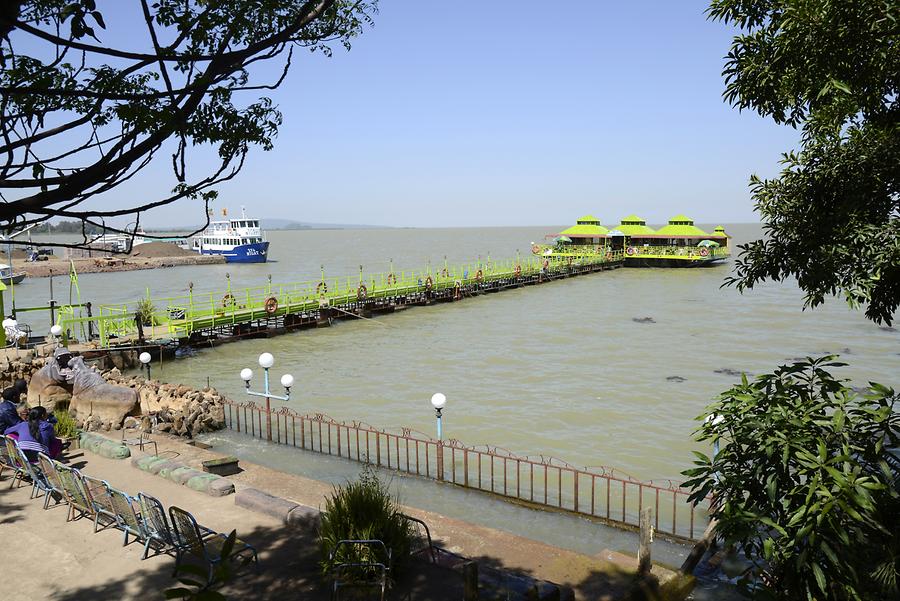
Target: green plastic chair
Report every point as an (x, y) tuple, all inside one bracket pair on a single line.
[(54, 482), (98, 495), (190, 540)]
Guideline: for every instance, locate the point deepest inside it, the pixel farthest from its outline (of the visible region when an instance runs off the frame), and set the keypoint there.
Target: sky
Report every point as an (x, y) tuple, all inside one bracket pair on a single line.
[(501, 113)]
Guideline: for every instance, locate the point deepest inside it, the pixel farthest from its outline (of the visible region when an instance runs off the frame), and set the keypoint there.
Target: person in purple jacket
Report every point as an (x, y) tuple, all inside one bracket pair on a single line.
[(36, 435)]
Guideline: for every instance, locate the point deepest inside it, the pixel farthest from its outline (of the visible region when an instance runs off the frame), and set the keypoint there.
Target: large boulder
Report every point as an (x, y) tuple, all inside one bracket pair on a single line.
[(94, 396)]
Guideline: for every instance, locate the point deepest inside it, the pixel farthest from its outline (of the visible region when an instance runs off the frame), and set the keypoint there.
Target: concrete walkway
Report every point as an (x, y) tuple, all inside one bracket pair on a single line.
[(53, 559)]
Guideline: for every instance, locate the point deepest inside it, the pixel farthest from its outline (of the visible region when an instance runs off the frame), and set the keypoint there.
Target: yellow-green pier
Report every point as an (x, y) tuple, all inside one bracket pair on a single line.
[(277, 308)]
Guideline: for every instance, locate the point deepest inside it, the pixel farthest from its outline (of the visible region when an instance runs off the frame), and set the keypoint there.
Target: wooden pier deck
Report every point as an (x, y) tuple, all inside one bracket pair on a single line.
[(276, 309)]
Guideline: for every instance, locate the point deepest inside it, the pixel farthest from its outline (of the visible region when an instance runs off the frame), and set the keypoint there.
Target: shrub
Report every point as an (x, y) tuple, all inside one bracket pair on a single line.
[(65, 424), (805, 483), (363, 510), (146, 312)]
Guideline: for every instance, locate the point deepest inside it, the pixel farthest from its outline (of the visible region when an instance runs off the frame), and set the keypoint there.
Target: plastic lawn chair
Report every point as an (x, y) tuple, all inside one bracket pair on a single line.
[(54, 482), (77, 493), (157, 525), (127, 519), (100, 499), (360, 574), (16, 460), (190, 540)]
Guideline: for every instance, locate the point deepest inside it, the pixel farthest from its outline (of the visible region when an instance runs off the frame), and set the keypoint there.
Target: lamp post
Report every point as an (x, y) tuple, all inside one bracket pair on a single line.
[(55, 332), (266, 360), (145, 362), (438, 400)]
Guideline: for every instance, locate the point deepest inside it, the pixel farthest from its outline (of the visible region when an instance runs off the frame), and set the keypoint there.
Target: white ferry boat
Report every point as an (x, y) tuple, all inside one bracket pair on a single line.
[(238, 240)]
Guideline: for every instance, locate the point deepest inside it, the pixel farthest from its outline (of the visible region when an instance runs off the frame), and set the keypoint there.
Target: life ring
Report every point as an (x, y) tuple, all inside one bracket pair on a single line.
[(228, 300), (609, 255), (271, 305), (535, 249), (429, 283), (631, 251), (391, 279), (445, 273), (569, 261), (546, 263), (704, 252), (518, 270), (362, 292), (322, 288), (479, 275)]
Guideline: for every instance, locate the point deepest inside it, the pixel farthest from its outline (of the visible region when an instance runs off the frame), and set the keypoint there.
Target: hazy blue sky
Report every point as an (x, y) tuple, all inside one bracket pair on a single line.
[(506, 113)]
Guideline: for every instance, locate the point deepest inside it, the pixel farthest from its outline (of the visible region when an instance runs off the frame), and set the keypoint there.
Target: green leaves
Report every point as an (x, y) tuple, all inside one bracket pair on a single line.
[(802, 481), (832, 217)]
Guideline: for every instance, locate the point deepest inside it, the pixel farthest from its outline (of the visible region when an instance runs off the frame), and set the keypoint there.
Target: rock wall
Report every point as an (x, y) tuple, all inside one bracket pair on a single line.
[(173, 408)]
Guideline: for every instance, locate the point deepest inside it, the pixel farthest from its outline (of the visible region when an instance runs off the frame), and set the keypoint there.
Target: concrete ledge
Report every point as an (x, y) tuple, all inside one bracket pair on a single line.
[(179, 473), (282, 509), (103, 446), (301, 515)]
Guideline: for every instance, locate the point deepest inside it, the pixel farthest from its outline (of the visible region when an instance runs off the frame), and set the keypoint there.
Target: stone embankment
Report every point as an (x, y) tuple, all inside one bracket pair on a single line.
[(172, 408)]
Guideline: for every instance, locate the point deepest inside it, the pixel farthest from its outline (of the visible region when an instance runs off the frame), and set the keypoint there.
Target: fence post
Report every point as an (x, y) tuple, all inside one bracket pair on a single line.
[(470, 581), (644, 563), (440, 459)]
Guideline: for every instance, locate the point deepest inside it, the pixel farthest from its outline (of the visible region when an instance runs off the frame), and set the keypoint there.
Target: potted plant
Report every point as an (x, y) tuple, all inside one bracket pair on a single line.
[(145, 312), (66, 428)]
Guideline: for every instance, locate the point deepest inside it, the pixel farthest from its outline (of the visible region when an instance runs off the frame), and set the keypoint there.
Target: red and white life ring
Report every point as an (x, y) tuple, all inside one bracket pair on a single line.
[(704, 252), (631, 251)]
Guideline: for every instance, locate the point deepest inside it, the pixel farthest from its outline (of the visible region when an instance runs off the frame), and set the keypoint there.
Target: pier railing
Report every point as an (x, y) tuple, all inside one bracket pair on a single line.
[(181, 315), (598, 492)]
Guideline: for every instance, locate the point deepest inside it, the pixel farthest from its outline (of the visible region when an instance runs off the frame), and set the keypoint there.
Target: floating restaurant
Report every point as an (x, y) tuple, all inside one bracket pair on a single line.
[(678, 244)]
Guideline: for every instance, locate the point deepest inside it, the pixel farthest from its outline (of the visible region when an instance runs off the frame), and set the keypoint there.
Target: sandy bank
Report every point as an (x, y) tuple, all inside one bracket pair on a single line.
[(59, 266)]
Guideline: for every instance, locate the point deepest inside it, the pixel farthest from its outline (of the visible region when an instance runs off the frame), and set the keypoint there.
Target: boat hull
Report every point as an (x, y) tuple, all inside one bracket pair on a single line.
[(257, 252), (13, 279)]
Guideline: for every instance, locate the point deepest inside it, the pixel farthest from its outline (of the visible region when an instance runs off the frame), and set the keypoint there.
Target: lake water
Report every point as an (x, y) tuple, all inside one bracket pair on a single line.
[(571, 369), (562, 369)]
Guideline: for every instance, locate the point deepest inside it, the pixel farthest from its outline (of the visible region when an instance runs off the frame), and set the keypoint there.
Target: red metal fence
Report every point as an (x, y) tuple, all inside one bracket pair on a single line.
[(601, 493)]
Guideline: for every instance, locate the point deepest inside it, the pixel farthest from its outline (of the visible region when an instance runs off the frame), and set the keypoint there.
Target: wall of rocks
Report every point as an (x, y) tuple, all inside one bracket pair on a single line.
[(173, 408)]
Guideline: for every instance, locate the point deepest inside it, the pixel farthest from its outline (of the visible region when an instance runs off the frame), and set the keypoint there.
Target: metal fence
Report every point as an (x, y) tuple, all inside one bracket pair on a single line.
[(546, 482)]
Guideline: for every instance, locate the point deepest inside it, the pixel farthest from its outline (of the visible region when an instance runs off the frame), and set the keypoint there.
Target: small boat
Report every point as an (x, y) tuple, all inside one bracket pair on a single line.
[(8, 277), (238, 240)]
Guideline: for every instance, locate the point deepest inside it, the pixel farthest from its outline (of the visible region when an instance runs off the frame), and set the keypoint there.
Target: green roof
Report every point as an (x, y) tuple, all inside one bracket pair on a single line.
[(585, 231), (588, 220), (634, 226), (681, 226), (719, 232)]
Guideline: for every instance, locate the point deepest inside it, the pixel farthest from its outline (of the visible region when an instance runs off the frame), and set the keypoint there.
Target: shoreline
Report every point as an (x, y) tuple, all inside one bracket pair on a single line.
[(43, 269)]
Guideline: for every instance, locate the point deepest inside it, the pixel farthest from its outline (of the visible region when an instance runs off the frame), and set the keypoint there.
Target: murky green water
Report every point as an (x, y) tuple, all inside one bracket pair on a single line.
[(562, 369)]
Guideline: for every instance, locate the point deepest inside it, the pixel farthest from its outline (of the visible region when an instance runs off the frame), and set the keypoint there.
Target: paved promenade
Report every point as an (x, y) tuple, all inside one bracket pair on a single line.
[(52, 559)]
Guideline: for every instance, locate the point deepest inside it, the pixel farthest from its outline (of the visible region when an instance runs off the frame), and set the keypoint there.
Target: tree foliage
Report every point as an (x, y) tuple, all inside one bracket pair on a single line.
[(805, 482), (79, 117), (832, 217)]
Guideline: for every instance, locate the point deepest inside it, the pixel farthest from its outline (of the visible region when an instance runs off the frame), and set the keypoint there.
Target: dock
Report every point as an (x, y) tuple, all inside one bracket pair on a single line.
[(269, 310)]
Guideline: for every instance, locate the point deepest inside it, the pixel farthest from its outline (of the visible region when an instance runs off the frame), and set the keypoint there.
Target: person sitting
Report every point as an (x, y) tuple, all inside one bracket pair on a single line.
[(14, 336), (9, 415), (36, 435)]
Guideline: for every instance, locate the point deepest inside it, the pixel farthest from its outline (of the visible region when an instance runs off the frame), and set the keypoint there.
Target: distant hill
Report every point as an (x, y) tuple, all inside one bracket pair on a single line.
[(287, 224), (281, 224)]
